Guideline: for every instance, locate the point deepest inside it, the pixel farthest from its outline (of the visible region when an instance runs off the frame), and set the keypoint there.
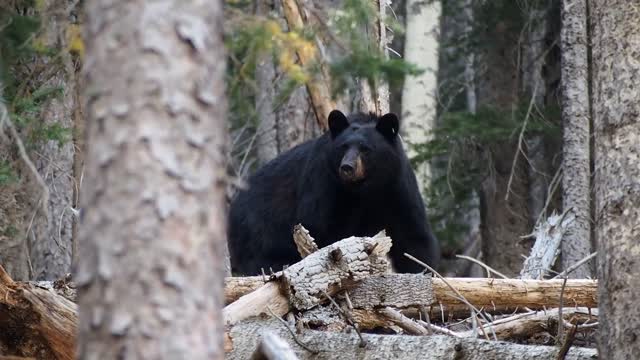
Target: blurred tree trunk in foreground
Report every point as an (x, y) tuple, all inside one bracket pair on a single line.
[(150, 274)]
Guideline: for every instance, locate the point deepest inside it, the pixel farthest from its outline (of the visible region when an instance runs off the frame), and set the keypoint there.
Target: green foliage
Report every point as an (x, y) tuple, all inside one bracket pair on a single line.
[(363, 58), (9, 231), (251, 38), (26, 116), (458, 152), (7, 175), (21, 48)]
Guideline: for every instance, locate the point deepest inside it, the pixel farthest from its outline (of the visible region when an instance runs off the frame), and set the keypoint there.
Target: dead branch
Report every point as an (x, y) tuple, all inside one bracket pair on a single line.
[(402, 321), (524, 326), (303, 240), (544, 252)]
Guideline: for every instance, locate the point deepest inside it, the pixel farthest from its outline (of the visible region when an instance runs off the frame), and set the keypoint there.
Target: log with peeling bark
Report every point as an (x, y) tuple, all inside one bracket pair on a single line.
[(35, 322), (244, 338), (306, 283), (488, 293)]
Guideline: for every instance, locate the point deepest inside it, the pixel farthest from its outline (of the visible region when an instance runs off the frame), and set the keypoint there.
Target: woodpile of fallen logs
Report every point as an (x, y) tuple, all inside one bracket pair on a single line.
[(342, 301)]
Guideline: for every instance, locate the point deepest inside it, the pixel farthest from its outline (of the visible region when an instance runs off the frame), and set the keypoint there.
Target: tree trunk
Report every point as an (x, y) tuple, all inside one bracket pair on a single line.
[(472, 217), (151, 243), (576, 177), (283, 122), (419, 105), (533, 86), (51, 238), (503, 199), (365, 98), (616, 122)]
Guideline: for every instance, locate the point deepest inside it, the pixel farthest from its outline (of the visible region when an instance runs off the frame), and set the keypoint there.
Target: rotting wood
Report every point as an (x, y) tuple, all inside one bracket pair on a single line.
[(247, 334), (335, 266), (545, 251), (45, 321), (481, 292), (327, 270), (304, 242), (397, 290)]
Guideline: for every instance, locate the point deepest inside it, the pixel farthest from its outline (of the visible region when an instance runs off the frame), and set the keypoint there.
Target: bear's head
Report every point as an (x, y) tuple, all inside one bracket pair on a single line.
[(365, 149)]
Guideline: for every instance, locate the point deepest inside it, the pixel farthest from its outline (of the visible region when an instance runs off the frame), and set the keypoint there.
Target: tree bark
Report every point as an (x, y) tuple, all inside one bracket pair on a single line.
[(616, 122), (504, 209), (534, 90), (576, 195), (419, 104), (152, 239), (283, 122)]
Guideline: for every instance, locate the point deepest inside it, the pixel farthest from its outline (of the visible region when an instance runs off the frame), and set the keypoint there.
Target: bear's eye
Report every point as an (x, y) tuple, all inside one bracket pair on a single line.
[(365, 149)]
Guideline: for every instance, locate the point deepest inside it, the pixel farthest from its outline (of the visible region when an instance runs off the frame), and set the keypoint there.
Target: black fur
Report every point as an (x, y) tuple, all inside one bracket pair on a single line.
[(302, 185)]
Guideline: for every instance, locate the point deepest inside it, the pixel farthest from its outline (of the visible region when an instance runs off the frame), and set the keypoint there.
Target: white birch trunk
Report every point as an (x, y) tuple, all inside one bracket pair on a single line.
[(419, 103)]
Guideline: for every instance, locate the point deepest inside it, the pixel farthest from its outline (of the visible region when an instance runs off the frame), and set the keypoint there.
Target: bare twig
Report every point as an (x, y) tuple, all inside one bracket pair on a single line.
[(458, 294), (560, 327), (5, 121), (347, 318), (520, 139), (439, 329), (293, 334), (487, 267), (575, 266), (566, 344)]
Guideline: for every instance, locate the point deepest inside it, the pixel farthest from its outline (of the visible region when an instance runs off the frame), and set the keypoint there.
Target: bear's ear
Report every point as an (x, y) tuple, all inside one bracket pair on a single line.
[(388, 125), (337, 123)]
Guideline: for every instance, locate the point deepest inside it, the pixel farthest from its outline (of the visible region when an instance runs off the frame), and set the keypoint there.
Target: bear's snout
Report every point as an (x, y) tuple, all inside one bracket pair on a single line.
[(351, 168)]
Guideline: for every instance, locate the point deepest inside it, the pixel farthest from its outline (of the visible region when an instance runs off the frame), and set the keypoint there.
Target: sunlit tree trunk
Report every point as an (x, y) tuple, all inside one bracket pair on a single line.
[(419, 104), (150, 272), (616, 121)]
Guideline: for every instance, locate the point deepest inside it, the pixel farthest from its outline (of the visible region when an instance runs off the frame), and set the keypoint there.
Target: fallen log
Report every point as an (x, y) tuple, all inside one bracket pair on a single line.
[(35, 322), (245, 336), (487, 293)]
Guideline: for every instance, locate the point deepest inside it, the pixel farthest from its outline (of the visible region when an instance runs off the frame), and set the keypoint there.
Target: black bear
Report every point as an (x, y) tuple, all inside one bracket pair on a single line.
[(354, 180)]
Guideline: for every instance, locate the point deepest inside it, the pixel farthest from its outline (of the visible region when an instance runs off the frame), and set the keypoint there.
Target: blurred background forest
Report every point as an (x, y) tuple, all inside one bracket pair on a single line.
[(477, 84)]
